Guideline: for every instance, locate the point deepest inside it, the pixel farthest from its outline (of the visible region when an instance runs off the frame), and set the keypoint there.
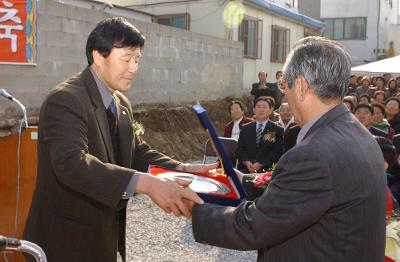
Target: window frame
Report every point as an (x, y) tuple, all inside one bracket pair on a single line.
[(275, 45), (257, 45), (186, 16), (346, 20)]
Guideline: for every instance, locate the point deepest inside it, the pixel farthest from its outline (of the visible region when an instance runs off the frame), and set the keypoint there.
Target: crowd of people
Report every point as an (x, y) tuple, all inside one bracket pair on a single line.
[(374, 101)]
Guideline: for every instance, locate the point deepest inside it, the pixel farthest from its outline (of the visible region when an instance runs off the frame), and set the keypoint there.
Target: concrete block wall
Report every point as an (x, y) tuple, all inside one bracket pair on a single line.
[(176, 66)]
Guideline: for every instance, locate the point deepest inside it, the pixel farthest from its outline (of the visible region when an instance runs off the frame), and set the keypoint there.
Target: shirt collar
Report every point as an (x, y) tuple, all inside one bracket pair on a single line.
[(238, 121), (264, 123), (106, 95), (304, 130)]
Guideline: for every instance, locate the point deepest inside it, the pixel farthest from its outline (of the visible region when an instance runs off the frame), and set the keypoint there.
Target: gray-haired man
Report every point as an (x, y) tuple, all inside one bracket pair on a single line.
[(328, 195)]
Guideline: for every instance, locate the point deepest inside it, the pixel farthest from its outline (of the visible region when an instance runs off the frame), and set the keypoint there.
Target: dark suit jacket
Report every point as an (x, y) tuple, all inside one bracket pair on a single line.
[(326, 201), (290, 137), (267, 153), (229, 126), (77, 213), (271, 90)]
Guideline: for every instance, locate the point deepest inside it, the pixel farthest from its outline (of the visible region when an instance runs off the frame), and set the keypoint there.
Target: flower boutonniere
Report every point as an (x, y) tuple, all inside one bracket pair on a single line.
[(138, 128), (270, 137)]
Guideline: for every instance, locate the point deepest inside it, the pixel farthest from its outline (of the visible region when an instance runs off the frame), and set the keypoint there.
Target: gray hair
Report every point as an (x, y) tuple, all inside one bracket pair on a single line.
[(324, 64)]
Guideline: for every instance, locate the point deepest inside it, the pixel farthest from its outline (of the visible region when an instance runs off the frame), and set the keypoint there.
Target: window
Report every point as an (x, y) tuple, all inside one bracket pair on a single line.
[(175, 20), (346, 28), (280, 41), (292, 3), (250, 33)]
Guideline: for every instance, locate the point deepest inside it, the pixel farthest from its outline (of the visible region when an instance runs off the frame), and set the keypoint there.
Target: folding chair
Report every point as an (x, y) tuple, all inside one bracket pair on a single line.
[(229, 145)]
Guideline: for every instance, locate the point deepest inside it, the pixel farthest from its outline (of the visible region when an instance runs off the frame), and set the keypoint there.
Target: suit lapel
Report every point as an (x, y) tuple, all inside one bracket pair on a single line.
[(125, 133), (99, 110)]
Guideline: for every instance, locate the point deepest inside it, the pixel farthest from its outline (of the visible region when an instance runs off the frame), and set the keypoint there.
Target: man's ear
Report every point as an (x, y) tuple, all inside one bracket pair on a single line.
[(302, 87), (97, 58)]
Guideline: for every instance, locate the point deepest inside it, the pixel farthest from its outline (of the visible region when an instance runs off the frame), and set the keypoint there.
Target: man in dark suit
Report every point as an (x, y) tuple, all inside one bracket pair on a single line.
[(262, 88), (328, 195), (261, 142), (90, 161)]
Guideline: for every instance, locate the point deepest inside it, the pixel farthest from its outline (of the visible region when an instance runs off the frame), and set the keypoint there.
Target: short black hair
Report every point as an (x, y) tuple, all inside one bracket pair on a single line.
[(270, 100), (365, 95), (112, 32), (381, 78), (367, 106)]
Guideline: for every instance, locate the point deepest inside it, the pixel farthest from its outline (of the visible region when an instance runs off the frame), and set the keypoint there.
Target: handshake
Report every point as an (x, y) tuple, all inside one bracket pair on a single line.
[(173, 195)]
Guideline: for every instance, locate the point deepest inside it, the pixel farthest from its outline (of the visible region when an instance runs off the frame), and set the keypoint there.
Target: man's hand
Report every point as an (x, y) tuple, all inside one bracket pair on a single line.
[(168, 194), (262, 86), (249, 166), (257, 166)]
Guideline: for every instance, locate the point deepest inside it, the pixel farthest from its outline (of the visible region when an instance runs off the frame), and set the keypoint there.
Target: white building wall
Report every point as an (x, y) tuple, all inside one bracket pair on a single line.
[(253, 66), (204, 15), (377, 35)]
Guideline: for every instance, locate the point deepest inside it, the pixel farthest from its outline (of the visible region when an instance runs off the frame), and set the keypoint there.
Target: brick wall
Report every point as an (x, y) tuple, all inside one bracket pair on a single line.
[(177, 66)]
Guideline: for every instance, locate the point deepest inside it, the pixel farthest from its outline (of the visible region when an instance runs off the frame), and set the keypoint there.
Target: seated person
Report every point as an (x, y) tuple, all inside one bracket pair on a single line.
[(379, 97), (379, 121), (348, 102), (261, 142), (392, 166), (286, 118), (364, 113), (365, 99), (236, 109)]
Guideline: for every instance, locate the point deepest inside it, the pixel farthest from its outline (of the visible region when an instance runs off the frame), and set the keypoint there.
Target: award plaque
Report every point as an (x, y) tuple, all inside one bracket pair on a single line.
[(223, 189)]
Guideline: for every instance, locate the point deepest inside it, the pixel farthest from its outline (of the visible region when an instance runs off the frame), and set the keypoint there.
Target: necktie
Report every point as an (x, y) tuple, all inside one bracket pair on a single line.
[(112, 124), (259, 133)]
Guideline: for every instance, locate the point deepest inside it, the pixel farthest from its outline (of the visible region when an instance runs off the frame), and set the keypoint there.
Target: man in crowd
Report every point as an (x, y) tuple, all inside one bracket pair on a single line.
[(328, 195), (262, 88), (90, 161), (261, 142), (352, 84), (286, 119)]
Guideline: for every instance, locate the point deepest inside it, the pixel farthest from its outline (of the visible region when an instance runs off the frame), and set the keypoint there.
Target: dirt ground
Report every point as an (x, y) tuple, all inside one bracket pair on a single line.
[(176, 131), (172, 129)]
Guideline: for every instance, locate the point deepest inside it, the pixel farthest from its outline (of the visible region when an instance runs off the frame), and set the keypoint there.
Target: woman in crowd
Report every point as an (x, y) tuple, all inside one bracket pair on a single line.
[(379, 97), (380, 84), (365, 99), (380, 122), (392, 113), (236, 110), (392, 88)]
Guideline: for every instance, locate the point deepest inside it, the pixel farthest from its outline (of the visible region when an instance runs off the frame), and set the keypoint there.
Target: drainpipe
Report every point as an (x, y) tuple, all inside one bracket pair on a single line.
[(377, 30)]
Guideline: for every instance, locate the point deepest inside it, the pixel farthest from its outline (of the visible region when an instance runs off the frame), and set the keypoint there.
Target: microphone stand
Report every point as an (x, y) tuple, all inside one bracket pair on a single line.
[(12, 244)]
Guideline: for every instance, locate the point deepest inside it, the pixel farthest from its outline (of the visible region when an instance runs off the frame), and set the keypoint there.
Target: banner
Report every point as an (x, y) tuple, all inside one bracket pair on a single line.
[(18, 31)]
